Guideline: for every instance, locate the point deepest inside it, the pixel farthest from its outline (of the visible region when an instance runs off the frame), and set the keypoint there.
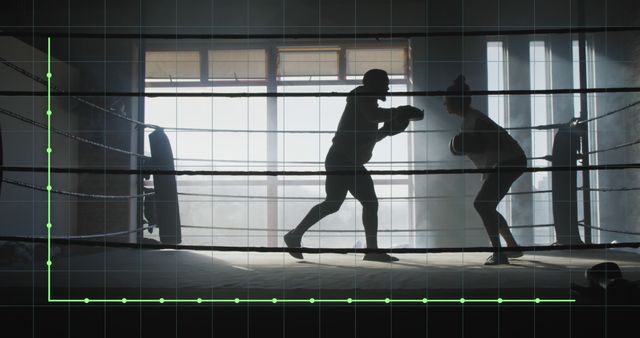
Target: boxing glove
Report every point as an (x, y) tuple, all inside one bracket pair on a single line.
[(395, 126), (409, 113)]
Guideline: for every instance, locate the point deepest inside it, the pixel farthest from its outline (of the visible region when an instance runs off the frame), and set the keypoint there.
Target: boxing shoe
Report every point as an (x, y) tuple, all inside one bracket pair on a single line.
[(497, 259), (293, 241), (513, 254), (379, 257)]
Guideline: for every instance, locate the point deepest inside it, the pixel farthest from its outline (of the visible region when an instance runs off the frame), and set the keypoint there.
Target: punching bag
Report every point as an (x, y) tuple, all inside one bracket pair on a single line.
[(564, 187), (167, 210)]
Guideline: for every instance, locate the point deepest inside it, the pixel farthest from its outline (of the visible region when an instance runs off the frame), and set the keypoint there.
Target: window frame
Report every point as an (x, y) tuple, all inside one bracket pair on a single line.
[(272, 82), (271, 50)]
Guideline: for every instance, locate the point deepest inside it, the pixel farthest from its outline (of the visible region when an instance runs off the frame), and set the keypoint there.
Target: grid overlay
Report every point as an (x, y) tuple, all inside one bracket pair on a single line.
[(234, 300)]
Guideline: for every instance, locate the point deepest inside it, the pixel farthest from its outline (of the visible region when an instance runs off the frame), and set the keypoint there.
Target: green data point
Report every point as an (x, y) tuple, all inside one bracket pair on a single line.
[(86, 300), (424, 300), (48, 188), (349, 300), (48, 225), (237, 300), (199, 300), (311, 300), (48, 263), (161, 300), (49, 150), (499, 300), (49, 112), (124, 300), (462, 300), (275, 300), (537, 300), (49, 75), (387, 300)]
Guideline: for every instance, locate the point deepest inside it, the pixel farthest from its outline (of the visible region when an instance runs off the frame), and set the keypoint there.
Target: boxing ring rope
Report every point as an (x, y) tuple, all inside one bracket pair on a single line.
[(360, 231), (84, 170), (533, 248), (619, 146), (610, 230), (612, 189), (99, 196), (63, 239), (351, 36), (381, 198), (392, 198), (530, 226), (635, 103), (71, 193), (430, 93), (66, 134)]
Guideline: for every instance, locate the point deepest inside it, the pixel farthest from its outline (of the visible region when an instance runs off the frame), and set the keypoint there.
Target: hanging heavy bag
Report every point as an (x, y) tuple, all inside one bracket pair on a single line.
[(564, 187), (167, 210)]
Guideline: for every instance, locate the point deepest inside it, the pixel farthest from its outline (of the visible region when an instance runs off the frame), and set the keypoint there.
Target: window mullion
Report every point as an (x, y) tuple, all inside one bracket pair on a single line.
[(272, 147), (342, 64), (204, 67)]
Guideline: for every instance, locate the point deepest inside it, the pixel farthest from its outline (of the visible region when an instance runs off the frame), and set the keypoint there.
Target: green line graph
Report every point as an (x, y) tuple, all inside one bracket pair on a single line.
[(233, 300)]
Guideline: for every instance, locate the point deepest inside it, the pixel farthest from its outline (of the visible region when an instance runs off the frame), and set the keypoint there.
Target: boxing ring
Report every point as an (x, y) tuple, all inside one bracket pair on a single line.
[(95, 269)]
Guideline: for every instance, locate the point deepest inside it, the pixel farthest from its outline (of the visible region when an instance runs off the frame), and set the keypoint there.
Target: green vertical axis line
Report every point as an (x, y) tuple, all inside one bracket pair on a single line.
[(48, 168)]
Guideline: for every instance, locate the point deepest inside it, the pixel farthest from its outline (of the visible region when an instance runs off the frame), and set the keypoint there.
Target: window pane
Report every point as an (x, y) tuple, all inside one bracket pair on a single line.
[(308, 114), (227, 149), (300, 62), (237, 64), (392, 60), (575, 56), (496, 81), (172, 65), (541, 141)]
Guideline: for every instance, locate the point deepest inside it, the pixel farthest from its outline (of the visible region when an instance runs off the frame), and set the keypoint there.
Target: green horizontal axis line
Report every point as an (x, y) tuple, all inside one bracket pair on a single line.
[(314, 300)]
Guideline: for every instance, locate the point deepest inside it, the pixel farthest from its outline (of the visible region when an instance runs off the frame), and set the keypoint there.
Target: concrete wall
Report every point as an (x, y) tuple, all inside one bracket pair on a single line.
[(23, 210), (614, 63)]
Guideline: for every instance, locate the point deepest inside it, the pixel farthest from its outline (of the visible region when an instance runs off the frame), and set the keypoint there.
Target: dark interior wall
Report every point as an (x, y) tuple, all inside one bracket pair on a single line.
[(101, 65), (616, 57), (435, 62), (24, 211), (108, 66)]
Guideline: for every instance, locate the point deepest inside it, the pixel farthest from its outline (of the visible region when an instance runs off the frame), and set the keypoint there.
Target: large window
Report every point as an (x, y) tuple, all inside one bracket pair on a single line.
[(541, 109), (260, 133)]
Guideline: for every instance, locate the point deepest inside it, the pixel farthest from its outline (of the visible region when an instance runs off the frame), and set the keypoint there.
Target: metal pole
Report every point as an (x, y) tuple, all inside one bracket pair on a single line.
[(140, 135), (584, 115), (272, 149)]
